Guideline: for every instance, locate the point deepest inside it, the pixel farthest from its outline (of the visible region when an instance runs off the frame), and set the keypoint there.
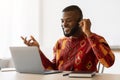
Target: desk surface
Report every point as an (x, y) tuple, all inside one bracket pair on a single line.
[(12, 75)]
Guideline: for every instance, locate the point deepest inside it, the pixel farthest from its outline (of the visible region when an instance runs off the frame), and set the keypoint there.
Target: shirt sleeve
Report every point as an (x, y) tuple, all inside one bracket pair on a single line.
[(51, 64), (48, 65), (102, 50)]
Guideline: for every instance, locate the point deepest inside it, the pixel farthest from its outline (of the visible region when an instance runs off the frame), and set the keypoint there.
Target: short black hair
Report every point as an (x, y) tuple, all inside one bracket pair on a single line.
[(74, 8)]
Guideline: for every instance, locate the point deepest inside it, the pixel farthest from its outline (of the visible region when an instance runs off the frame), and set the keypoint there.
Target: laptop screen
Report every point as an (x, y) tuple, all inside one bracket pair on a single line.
[(27, 59)]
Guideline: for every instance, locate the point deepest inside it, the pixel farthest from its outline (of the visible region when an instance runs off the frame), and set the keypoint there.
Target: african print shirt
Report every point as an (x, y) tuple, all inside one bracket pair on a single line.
[(80, 54)]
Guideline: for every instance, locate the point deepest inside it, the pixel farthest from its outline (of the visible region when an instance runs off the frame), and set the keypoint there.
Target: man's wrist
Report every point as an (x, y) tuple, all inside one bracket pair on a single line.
[(89, 34)]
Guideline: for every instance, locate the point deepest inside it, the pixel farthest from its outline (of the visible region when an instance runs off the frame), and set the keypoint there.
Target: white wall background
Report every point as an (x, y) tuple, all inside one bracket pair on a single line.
[(18, 18), (41, 18)]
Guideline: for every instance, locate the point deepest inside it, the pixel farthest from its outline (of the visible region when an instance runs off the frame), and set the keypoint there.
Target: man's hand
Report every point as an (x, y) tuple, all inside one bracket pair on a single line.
[(30, 42), (85, 24)]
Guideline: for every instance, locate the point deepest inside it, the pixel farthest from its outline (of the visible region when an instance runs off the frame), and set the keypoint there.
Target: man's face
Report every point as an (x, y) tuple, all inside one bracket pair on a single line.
[(69, 23)]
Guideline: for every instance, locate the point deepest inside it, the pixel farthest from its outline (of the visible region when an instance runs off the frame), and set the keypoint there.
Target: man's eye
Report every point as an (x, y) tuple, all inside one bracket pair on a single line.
[(69, 20), (62, 20)]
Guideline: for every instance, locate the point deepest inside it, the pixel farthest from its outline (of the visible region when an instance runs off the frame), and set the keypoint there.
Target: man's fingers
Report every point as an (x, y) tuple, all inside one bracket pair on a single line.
[(30, 42), (32, 38), (25, 40), (81, 24), (22, 38)]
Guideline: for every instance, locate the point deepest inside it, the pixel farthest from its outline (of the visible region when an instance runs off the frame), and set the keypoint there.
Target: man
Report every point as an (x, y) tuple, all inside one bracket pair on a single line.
[(80, 49)]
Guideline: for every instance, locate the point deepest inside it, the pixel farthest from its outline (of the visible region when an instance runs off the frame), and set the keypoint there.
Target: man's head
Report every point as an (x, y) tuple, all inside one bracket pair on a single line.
[(71, 16)]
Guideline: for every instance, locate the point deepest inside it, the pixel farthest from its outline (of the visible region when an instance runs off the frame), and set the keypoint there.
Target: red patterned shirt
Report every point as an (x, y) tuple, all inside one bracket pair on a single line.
[(80, 54)]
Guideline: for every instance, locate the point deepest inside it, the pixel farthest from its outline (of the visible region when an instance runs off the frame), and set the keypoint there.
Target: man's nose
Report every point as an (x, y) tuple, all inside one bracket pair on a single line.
[(65, 24)]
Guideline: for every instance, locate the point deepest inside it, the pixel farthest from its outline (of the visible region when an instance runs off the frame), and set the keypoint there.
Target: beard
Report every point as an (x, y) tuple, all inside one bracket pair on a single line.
[(72, 32)]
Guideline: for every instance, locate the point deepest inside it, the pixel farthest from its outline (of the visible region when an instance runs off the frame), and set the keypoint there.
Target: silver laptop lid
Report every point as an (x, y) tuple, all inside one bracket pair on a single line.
[(27, 59)]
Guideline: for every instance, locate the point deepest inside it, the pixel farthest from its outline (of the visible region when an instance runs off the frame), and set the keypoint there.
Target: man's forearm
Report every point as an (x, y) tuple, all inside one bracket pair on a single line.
[(101, 50)]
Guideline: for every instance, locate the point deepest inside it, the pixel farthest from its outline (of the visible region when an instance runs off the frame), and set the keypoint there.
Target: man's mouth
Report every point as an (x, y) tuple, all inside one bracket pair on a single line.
[(66, 30)]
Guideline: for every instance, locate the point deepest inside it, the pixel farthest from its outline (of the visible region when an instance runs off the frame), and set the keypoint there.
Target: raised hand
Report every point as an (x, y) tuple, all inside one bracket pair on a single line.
[(30, 42), (85, 24)]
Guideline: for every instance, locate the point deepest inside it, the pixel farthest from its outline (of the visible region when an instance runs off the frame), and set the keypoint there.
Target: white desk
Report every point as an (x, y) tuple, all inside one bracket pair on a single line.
[(12, 75)]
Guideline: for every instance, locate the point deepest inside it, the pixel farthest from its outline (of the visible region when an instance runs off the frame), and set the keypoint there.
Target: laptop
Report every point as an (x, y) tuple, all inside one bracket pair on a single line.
[(28, 60)]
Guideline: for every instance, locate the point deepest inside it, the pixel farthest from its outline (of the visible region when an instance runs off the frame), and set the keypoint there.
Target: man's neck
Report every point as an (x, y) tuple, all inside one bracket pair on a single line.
[(77, 35)]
